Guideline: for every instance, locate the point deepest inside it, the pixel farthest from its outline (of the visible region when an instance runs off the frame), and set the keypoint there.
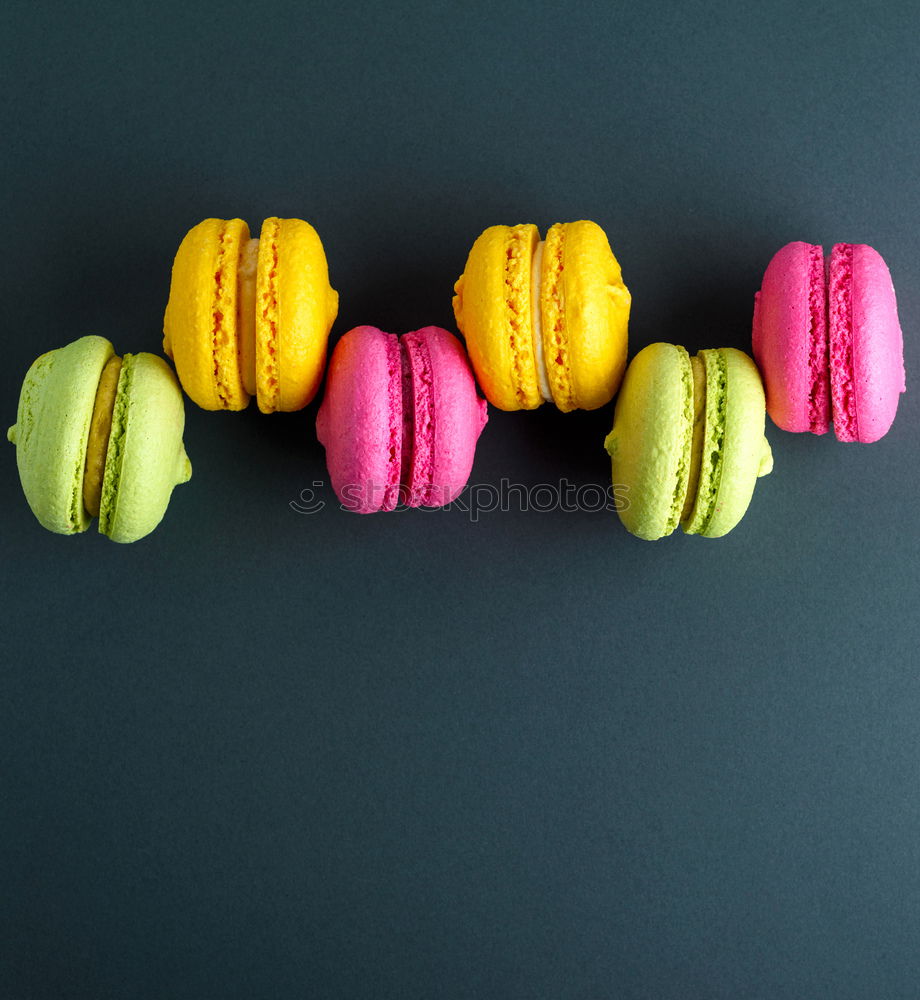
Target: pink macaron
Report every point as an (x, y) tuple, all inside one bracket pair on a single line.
[(400, 419), (828, 342)]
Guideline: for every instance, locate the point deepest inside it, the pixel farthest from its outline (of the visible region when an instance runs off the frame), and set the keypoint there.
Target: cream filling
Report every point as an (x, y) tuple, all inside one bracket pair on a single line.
[(99, 432), (246, 313), (536, 275)]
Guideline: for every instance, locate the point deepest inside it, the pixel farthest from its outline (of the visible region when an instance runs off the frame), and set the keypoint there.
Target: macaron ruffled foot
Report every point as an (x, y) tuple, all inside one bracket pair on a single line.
[(250, 317), (400, 419), (100, 436), (544, 321), (687, 444)]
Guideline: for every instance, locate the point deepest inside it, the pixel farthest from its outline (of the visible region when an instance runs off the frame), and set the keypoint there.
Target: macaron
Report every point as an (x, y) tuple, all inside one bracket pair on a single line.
[(544, 321), (687, 444), (828, 342), (399, 419), (250, 317), (100, 436)]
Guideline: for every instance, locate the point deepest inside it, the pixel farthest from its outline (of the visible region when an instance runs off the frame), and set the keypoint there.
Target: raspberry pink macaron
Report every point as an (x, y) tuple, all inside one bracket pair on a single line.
[(828, 342), (400, 419)]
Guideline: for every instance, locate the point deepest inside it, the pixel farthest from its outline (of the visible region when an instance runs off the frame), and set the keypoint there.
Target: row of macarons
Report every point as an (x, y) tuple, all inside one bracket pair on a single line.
[(543, 321)]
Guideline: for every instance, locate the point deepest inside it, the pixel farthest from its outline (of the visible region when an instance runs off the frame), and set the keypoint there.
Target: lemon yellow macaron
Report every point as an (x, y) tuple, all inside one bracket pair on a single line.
[(544, 321), (250, 317)]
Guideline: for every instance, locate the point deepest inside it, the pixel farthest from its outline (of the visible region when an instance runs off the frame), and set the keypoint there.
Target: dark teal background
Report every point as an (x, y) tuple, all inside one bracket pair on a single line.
[(264, 754)]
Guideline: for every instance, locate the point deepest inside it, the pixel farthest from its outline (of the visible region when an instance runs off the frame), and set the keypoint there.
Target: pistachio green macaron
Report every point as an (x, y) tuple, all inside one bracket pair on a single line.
[(129, 440), (687, 444)]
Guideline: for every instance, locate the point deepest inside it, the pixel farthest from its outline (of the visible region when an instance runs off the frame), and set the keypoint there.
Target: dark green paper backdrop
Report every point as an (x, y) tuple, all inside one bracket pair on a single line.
[(267, 754)]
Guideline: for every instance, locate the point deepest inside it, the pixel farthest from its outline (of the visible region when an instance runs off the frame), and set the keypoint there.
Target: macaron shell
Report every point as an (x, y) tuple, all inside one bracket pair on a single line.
[(146, 457), (296, 308), (493, 309), (650, 443), (867, 351), (735, 451), (200, 324), (52, 429), (585, 316), (359, 422), (789, 339), (449, 420)]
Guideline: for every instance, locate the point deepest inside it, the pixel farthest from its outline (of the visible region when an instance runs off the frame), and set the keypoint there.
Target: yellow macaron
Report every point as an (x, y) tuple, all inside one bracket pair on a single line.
[(250, 317), (544, 321)]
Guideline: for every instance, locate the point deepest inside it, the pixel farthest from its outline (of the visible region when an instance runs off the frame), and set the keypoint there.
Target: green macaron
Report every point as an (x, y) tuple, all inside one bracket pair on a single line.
[(131, 435), (687, 443)]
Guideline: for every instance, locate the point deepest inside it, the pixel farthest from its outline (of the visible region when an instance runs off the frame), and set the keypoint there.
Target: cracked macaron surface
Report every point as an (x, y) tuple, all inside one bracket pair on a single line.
[(250, 317), (544, 321)]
